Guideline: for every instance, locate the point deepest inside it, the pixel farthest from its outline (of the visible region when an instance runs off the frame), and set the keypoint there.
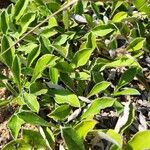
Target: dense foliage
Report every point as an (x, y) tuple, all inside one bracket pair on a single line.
[(81, 62)]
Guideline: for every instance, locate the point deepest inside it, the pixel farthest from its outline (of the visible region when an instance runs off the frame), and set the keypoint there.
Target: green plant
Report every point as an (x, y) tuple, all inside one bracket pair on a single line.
[(58, 63)]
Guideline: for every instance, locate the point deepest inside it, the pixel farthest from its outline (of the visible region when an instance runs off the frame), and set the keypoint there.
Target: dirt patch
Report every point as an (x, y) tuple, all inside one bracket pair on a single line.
[(5, 136), (4, 3)]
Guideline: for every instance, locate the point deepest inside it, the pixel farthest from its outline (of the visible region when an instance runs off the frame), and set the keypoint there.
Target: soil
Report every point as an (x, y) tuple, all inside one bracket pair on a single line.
[(4, 3)]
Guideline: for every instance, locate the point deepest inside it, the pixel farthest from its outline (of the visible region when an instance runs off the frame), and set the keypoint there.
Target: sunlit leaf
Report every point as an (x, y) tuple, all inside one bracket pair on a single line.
[(72, 139), (127, 91), (14, 125), (140, 141), (34, 138), (19, 144), (32, 118), (25, 22), (48, 137), (122, 62), (4, 22), (103, 30), (84, 127), (109, 135), (99, 87), (119, 16), (8, 54), (82, 56), (31, 102), (16, 70), (97, 105), (126, 77), (20, 7), (43, 62), (142, 5), (33, 55), (65, 96), (60, 113), (136, 44)]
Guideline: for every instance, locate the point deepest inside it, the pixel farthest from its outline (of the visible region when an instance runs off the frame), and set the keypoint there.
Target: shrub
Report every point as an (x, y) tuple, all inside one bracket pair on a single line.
[(68, 63)]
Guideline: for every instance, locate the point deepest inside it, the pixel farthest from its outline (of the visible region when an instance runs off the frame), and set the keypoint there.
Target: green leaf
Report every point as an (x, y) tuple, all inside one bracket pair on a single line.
[(60, 113), (95, 9), (48, 137), (20, 8), (60, 40), (62, 50), (64, 67), (116, 5), (48, 32), (126, 77), (126, 119), (140, 141), (82, 56), (43, 62), (97, 105), (136, 44), (67, 80), (79, 8), (4, 22), (80, 76), (141, 28), (25, 21), (118, 107), (34, 138), (27, 48), (54, 75), (72, 139), (45, 45), (37, 88), (9, 54), (10, 88), (84, 127), (66, 19), (109, 135), (16, 70), (10, 11), (32, 118), (103, 30), (99, 87), (119, 16), (17, 144), (91, 41), (65, 96), (31, 101), (52, 22), (142, 5), (127, 91), (53, 6), (122, 62), (33, 55), (14, 124)]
